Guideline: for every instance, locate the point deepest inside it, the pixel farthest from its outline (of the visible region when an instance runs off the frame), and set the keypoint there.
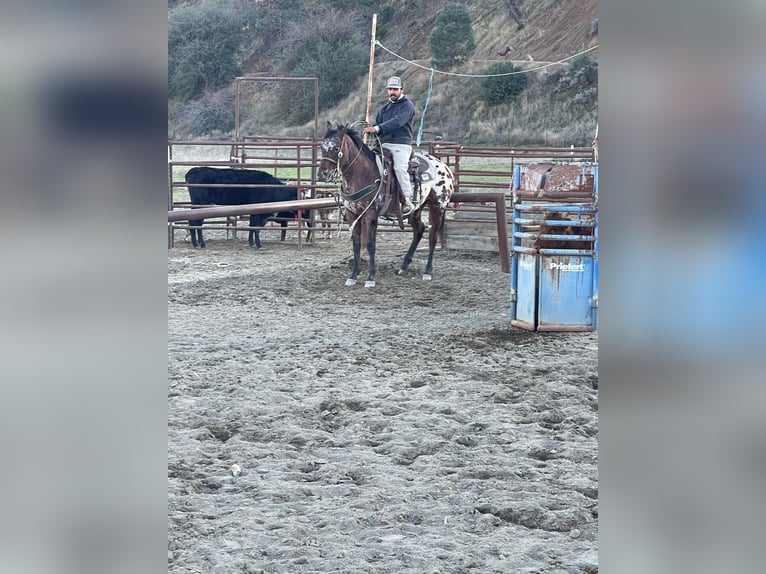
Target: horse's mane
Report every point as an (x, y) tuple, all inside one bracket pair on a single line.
[(357, 139)]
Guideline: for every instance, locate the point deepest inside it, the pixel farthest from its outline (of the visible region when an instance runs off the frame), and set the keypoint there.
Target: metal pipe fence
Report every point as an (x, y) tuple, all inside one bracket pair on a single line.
[(483, 176)]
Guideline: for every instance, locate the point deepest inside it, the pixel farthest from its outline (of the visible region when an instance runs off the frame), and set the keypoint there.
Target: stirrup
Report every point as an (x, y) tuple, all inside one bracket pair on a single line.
[(408, 208)]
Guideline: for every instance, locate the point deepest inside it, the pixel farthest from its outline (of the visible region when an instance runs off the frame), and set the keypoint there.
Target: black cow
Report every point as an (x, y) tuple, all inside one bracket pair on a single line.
[(213, 193)]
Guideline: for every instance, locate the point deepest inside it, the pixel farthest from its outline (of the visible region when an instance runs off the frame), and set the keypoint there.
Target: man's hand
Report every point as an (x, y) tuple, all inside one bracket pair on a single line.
[(369, 129)]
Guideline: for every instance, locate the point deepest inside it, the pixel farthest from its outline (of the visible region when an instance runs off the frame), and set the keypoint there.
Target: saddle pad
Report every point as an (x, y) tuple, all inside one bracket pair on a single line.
[(418, 164), (425, 170)]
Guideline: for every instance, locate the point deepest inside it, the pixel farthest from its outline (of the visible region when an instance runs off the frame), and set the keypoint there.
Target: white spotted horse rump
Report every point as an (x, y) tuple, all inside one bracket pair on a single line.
[(435, 175)]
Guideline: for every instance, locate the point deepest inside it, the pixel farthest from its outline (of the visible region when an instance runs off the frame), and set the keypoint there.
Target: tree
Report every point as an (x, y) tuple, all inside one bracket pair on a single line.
[(202, 51), (333, 49), (452, 37), (502, 84)]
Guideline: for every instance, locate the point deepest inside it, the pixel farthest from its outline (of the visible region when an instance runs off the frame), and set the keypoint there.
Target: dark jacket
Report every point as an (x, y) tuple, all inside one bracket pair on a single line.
[(395, 121)]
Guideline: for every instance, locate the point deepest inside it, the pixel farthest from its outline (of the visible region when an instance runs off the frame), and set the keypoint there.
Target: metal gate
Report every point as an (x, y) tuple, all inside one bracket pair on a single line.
[(554, 262)]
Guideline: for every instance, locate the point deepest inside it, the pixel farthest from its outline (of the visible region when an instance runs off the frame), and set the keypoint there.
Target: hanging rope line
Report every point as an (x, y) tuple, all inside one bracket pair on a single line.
[(431, 78), (423, 115), (377, 43)]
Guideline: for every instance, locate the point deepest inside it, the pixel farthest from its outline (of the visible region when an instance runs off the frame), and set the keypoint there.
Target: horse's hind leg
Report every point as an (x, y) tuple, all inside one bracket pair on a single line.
[(418, 227), (436, 215)]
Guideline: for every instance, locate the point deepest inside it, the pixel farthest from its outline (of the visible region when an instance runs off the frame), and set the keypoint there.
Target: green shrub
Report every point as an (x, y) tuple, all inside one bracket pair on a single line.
[(582, 72), (202, 51), (581, 77), (334, 49), (451, 40), (386, 17), (497, 89)]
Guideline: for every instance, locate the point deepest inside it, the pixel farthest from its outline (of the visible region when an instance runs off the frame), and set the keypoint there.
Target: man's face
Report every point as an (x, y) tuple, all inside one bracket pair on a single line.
[(394, 93)]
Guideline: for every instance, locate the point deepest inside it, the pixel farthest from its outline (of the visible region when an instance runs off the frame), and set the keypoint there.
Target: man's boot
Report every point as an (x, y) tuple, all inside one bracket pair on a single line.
[(408, 207)]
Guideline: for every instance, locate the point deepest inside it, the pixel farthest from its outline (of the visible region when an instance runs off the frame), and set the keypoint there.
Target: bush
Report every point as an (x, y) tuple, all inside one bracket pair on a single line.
[(586, 97), (386, 17), (202, 51), (580, 77), (333, 49), (497, 89), (581, 73), (451, 40), (211, 114)]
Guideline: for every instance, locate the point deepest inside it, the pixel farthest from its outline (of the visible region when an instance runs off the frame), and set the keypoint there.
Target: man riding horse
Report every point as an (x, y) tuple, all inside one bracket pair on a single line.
[(393, 125)]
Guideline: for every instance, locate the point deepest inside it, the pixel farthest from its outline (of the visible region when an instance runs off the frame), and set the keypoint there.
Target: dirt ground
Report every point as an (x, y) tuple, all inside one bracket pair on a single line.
[(404, 428)]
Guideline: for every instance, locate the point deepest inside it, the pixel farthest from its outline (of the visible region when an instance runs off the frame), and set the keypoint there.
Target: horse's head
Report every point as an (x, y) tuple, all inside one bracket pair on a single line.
[(332, 142)]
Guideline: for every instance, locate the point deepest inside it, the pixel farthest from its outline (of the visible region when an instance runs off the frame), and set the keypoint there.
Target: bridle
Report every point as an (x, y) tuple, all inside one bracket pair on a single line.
[(339, 144)]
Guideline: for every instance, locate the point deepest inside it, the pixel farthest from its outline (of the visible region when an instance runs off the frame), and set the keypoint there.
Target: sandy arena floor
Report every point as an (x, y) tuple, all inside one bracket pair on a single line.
[(405, 428)]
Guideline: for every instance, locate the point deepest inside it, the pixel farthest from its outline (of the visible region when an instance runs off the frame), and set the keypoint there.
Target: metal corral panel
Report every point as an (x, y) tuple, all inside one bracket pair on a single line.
[(554, 259), (565, 293), (524, 291)]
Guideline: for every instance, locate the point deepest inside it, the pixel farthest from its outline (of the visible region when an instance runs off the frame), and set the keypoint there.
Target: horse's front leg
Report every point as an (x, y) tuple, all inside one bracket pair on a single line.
[(371, 252), (356, 242), (372, 227)]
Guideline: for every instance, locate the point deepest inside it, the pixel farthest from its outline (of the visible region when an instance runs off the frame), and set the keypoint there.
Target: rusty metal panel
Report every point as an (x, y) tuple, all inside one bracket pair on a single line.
[(552, 178)]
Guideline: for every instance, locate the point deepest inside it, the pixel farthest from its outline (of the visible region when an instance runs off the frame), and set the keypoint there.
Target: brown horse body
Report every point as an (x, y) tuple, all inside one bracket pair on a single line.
[(363, 189)]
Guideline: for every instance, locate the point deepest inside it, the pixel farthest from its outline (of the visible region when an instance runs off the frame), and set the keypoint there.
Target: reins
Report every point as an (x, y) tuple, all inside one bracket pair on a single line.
[(363, 192), (356, 196), (366, 190)]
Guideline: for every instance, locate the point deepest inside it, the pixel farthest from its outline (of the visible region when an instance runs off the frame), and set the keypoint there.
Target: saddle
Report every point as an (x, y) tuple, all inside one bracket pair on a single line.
[(418, 169)]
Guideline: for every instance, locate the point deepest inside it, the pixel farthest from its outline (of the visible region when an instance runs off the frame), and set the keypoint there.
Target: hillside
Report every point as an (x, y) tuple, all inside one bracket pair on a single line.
[(528, 33), (552, 29)]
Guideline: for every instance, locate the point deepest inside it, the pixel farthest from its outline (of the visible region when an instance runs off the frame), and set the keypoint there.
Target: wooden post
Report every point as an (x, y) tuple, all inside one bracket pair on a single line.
[(369, 79)]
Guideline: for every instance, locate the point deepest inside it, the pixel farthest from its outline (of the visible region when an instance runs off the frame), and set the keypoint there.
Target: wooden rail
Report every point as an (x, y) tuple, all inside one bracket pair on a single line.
[(498, 197)]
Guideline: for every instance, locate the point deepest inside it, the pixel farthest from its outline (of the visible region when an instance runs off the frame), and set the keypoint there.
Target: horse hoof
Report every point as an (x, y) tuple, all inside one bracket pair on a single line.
[(350, 282), (369, 283), (426, 277)]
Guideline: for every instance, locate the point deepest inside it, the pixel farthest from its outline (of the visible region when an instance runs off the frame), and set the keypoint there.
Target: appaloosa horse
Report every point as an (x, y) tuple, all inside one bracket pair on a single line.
[(367, 195)]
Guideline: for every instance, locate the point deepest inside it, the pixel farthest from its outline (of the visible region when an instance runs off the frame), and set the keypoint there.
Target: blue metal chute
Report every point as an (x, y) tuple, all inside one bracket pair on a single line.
[(554, 277)]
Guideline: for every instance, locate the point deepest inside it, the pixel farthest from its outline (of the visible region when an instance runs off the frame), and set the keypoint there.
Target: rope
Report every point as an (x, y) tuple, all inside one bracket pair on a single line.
[(377, 43), (423, 115), (366, 207), (431, 78)]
